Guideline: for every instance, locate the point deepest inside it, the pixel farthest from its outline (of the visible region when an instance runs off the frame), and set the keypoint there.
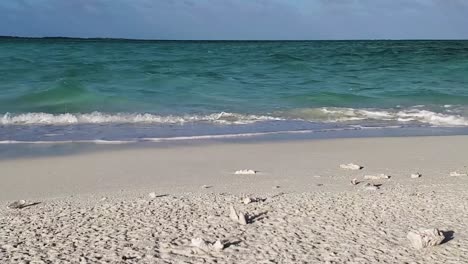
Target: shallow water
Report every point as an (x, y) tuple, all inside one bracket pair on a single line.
[(62, 89)]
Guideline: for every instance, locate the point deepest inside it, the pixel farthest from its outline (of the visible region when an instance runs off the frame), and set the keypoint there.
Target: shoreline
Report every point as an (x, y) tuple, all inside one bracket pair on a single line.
[(187, 167)]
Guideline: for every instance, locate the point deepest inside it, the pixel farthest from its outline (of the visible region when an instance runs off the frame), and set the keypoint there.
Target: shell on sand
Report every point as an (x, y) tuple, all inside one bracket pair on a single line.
[(245, 172), (425, 238), (203, 245), (247, 200), (376, 177), (354, 181), (218, 246), (152, 195), (351, 166), (237, 217), (200, 243), (416, 175), (371, 187), (242, 219), (457, 174), (17, 204)]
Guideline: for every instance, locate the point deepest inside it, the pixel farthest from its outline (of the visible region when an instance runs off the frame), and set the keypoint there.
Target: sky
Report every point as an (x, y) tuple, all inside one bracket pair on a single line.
[(237, 19)]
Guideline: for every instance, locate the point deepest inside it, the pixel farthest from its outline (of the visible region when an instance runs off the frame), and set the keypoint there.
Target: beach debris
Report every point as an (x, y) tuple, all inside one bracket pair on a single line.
[(152, 195), (425, 238), (457, 174), (246, 172), (376, 177), (416, 175), (248, 200), (18, 204), (206, 186), (371, 187), (206, 246), (238, 217), (354, 181), (276, 187), (351, 166)]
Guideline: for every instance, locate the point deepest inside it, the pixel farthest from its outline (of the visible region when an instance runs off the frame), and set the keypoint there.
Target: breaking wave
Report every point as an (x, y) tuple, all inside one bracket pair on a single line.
[(416, 115), (124, 118)]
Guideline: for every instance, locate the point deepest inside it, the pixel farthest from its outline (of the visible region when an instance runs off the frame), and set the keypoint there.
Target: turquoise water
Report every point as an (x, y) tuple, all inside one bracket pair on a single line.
[(198, 88)]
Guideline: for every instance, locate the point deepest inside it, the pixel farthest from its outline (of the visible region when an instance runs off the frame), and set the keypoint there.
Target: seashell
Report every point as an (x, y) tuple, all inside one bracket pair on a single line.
[(425, 238), (237, 217), (354, 181), (245, 172), (457, 174), (205, 246), (17, 204), (376, 177), (217, 246), (351, 166), (371, 187), (247, 200), (242, 219), (200, 243), (152, 195), (416, 175)]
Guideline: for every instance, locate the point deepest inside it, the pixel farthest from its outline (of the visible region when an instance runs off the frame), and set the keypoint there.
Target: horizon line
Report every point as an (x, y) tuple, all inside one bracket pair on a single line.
[(218, 40)]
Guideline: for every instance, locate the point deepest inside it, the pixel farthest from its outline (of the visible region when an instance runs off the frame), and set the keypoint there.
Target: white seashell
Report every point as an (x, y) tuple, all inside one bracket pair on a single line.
[(152, 195), (247, 200), (218, 246), (200, 243), (351, 166), (354, 181), (237, 217), (371, 187), (242, 219), (416, 175), (245, 172), (203, 245), (425, 238), (233, 214), (457, 174), (376, 177), (276, 187), (17, 204)]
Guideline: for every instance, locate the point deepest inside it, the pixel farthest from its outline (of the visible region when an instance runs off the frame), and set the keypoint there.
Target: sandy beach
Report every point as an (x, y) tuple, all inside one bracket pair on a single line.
[(145, 205)]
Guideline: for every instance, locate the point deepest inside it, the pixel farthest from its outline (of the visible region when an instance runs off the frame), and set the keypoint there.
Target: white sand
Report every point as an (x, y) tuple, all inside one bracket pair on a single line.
[(309, 219)]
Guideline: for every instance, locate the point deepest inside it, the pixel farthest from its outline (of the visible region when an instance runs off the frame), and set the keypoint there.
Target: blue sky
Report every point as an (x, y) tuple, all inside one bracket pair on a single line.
[(237, 19)]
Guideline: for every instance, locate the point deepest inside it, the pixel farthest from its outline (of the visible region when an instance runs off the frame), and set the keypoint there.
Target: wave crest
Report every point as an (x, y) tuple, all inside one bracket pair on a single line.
[(124, 118)]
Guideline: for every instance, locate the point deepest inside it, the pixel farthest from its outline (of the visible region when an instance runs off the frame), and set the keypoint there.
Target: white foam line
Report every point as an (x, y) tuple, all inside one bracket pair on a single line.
[(165, 139), (97, 141)]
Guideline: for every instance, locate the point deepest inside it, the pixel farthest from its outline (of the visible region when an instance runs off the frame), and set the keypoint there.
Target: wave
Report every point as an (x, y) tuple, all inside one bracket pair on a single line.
[(125, 118), (414, 114), (448, 117)]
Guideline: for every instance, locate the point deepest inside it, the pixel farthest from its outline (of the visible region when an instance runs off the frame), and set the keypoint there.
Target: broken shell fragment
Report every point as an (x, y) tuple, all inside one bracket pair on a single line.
[(245, 172), (425, 238), (457, 174), (17, 204), (376, 177), (351, 166)]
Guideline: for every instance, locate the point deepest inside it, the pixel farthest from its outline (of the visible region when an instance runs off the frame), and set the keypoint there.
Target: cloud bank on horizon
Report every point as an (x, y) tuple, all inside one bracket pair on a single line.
[(237, 19)]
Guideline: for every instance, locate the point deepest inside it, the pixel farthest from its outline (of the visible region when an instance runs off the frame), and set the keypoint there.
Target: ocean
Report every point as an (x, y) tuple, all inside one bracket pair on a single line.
[(118, 91)]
